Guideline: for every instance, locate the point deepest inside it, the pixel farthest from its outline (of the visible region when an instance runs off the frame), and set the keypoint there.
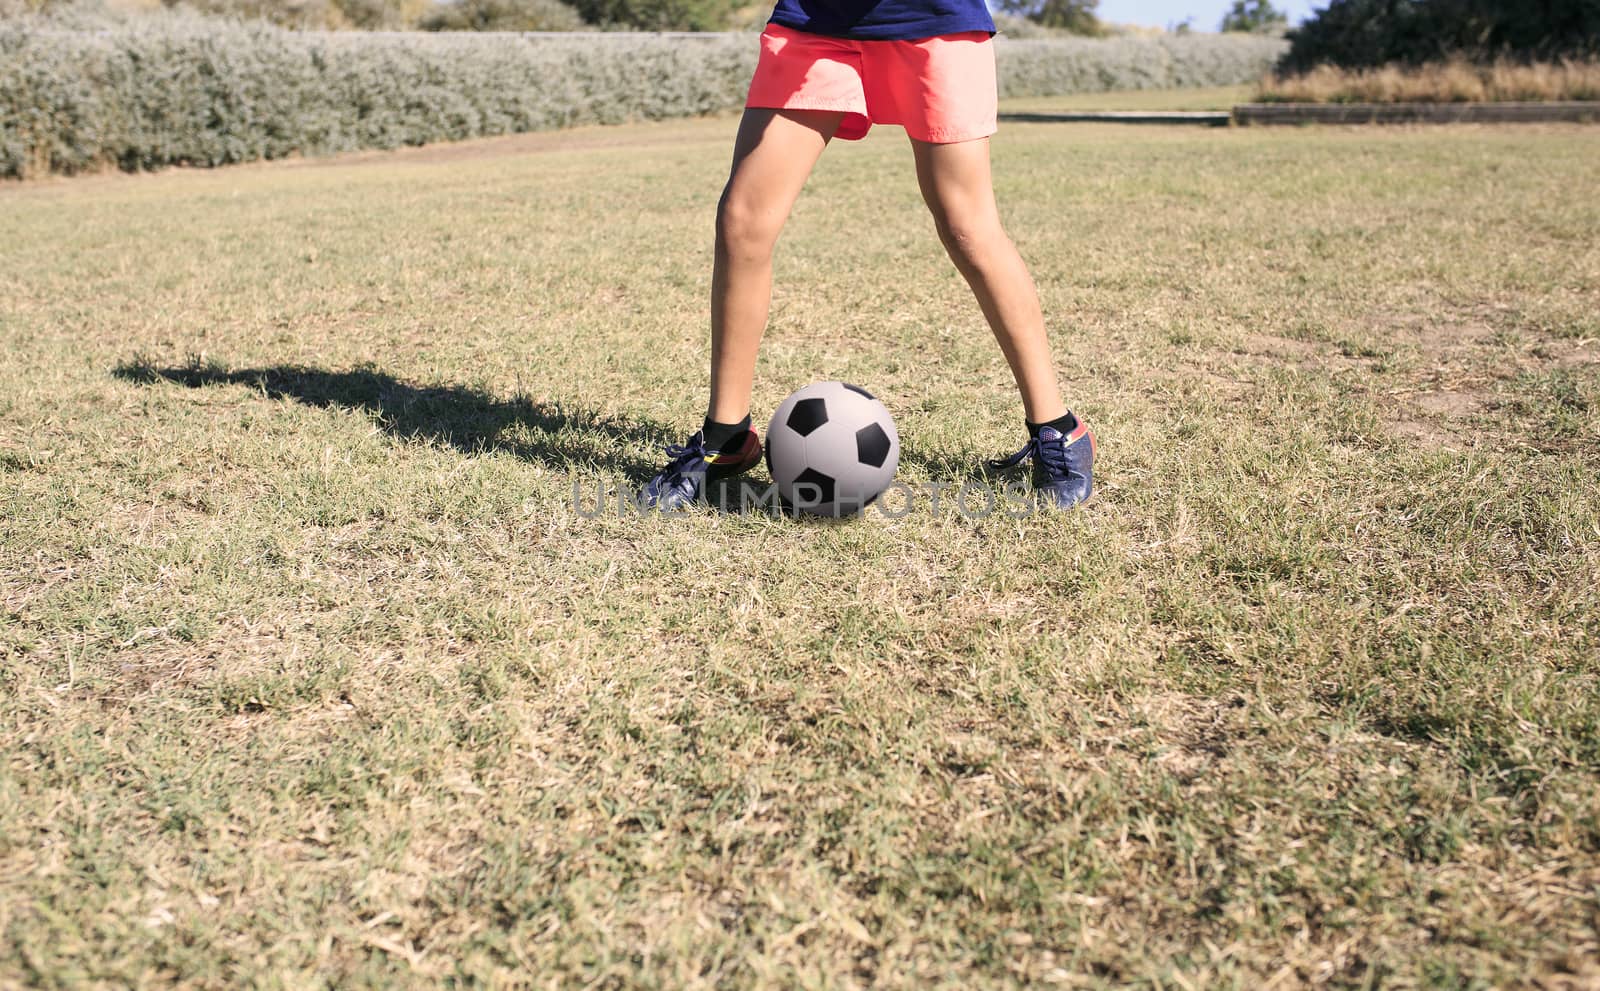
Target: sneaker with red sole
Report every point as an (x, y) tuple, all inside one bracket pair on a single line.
[(1063, 464)]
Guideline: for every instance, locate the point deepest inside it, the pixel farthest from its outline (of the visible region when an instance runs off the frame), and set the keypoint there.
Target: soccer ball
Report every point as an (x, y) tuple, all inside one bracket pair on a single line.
[(832, 449)]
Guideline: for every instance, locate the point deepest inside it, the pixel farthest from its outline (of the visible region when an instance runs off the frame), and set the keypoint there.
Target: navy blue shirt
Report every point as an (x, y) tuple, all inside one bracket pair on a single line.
[(884, 20)]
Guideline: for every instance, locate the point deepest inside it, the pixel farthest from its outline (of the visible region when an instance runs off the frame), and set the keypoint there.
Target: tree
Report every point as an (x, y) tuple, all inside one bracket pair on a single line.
[(1364, 33), (659, 15), (1256, 16), (501, 15), (1076, 16), (375, 15)]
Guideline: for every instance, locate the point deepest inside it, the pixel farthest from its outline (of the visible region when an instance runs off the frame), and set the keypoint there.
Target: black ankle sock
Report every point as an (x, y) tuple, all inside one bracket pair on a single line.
[(718, 434), (1066, 423)]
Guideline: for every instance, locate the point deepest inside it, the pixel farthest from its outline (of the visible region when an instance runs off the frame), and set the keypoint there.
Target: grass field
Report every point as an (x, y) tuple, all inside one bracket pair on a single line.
[(314, 676), (1200, 98)]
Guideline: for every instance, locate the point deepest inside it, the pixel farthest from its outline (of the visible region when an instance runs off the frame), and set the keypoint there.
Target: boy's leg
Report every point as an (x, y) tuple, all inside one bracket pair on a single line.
[(957, 187), (772, 157), (956, 184)]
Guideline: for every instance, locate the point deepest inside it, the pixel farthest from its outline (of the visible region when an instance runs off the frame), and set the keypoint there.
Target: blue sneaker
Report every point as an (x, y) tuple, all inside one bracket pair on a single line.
[(1063, 465), (683, 480)]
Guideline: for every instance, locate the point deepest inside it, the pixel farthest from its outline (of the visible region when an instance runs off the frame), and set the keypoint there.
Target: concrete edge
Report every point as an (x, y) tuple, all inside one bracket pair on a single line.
[(1578, 112)]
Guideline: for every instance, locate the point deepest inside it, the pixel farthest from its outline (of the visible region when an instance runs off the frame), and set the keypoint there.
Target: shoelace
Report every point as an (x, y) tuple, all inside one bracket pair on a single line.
[(1052, 452), (684, 455)]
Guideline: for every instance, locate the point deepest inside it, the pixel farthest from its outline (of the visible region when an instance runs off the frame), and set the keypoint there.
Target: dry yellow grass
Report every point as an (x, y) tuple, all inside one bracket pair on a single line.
[(1457, 81), (312, 677)]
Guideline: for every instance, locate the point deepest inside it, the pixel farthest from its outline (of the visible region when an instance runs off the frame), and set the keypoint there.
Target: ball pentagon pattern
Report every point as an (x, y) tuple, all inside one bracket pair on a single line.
[(832, 449)]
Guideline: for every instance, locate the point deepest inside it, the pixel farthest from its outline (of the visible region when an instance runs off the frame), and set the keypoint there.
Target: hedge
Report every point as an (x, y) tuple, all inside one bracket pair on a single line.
[(1059, 66), (175, 89)]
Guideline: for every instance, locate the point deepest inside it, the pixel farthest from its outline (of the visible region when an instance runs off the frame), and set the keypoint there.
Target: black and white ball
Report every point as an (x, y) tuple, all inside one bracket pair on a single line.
[(832, 449)]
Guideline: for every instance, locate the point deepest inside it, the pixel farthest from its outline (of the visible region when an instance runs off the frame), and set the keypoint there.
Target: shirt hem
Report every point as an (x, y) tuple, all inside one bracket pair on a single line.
[(884, 33)]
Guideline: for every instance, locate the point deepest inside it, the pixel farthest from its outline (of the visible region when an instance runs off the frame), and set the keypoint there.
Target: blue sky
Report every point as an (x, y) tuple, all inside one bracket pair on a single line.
[(1207, 14)]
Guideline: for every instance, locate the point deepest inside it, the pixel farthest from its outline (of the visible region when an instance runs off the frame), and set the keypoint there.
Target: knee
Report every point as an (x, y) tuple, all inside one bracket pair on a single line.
[(744, 229), (970, 240)]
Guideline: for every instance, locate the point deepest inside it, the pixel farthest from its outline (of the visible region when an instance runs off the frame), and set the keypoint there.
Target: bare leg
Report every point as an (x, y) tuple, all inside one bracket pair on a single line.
[(956, 185), (773, 155)]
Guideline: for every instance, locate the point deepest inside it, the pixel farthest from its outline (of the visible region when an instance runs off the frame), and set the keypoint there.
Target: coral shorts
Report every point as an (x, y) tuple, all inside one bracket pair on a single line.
[(941, 90)]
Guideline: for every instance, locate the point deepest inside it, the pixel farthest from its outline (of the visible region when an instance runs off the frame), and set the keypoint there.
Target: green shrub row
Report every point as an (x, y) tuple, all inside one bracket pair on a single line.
[(1059, 66), (168, 90)]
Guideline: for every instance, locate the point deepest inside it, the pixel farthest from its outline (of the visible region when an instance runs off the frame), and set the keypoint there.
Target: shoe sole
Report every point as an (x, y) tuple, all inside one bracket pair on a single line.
[(749, 454)]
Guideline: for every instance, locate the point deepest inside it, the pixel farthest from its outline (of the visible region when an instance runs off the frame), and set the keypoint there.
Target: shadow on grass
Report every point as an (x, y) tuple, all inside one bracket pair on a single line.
[(473, 421), (956, 469), (467, 419)]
